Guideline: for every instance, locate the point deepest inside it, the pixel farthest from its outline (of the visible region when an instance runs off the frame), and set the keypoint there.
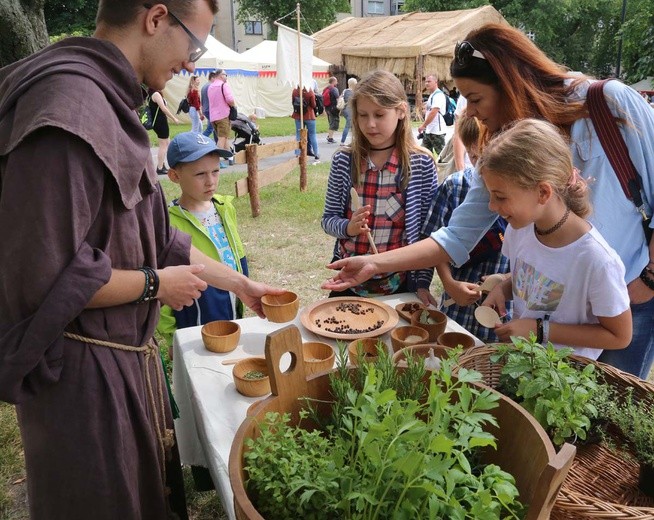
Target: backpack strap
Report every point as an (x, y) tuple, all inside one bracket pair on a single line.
[(613, 144)]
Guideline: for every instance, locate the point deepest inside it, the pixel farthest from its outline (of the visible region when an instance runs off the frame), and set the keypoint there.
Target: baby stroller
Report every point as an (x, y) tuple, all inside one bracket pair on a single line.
[(246, 131)]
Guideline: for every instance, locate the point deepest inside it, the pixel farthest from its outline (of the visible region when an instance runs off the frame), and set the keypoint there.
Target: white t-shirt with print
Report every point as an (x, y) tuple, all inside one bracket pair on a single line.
[(436, 99), (573, 284)]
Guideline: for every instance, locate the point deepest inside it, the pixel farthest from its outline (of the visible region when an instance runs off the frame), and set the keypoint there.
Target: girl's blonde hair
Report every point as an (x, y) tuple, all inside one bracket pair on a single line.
[(533, 151), (384, 89)]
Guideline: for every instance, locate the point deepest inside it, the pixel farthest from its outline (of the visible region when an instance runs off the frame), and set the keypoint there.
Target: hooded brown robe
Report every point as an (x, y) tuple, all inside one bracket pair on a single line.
[(78, 197)]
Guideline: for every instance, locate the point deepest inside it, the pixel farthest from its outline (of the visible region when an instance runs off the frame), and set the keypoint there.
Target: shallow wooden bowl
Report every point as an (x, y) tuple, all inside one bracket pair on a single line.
[(406, 309), (440, 351), (251, 387), (454, 339), (318, 357), (221, 335), (408, 335), (434, 329), (369, 348), (280, 308)]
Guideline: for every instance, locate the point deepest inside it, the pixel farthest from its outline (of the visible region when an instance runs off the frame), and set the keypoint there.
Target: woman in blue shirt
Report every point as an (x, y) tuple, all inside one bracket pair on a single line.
[(505, 77)]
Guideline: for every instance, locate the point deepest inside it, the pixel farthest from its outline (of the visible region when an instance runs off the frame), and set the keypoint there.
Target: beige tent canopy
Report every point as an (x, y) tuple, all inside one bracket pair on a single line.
[(409, 45)]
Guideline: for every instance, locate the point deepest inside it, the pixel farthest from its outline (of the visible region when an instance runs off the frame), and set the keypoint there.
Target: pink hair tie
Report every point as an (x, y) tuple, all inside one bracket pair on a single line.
[(574, 178)]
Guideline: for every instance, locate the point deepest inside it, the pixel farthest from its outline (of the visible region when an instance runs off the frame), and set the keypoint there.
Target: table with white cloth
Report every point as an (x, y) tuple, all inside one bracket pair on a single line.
[(211, 410)]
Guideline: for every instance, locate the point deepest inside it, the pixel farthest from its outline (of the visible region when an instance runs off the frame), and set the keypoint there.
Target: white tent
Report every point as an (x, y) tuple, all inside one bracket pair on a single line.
[(252, 76)]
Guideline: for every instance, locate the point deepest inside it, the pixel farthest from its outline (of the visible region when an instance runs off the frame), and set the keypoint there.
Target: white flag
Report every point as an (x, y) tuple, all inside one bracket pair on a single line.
[(287, 57)]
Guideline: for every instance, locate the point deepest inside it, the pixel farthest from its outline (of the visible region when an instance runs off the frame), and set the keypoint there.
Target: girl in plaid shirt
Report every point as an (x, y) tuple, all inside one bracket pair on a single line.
[(395, 180)]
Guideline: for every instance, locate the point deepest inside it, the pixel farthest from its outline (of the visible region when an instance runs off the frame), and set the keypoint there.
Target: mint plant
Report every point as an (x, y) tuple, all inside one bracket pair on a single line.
[(549, 386), (385, 456)]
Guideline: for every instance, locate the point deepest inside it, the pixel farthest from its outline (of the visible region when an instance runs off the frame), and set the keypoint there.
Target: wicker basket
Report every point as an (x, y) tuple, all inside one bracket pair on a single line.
[(600, 484)]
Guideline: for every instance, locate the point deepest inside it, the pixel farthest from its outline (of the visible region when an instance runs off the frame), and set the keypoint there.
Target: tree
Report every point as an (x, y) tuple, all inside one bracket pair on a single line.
[(22, 29), (67, 17), (316, 14)]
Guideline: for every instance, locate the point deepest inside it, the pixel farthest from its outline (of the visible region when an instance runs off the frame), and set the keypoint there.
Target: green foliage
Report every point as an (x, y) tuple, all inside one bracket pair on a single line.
[(389, 457), (315, 14), (548, 385), (70, 17)]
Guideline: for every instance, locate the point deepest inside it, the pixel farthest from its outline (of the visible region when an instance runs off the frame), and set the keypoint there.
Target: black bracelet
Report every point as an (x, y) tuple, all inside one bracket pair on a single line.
[(646, 279), (539, 330), (151, 287)]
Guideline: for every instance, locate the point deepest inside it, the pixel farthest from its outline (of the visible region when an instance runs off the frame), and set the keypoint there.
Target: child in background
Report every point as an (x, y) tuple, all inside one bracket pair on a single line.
[(394, 178), (567, 284), (460, 283), (210, 220)]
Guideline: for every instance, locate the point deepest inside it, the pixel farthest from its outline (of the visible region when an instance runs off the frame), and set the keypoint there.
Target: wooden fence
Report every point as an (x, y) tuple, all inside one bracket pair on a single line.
[(257, 179)]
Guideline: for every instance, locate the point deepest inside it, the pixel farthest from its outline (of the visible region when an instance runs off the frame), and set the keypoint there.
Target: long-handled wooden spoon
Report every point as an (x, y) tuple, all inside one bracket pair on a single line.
[(356, 204), (233, 361)]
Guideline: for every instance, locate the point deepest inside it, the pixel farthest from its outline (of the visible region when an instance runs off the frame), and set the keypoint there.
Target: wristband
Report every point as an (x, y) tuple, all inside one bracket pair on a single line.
[(546, 328), (539, 330), (151, 287)]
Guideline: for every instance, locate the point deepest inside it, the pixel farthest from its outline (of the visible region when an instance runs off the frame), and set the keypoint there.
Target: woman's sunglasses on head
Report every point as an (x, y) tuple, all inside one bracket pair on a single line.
[(464, 52)]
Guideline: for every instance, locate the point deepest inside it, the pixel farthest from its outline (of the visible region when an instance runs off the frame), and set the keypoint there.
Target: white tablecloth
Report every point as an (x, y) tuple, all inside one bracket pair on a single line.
[(211, 410)]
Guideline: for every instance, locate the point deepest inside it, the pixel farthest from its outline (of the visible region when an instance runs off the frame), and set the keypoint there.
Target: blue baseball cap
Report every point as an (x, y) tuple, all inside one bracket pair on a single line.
[(191, 146)]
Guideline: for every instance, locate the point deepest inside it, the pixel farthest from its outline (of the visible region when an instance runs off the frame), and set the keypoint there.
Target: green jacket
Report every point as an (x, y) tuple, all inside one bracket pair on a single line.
[(214, 304)]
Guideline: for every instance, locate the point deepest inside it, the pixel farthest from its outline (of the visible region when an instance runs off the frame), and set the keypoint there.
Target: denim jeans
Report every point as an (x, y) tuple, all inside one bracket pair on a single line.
[(348, 122), (209, 130), (637, 358), (312, 143), (196, 124)]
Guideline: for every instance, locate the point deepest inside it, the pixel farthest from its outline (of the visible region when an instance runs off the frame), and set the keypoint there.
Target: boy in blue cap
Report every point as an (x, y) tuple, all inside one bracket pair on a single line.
[(210, 220)]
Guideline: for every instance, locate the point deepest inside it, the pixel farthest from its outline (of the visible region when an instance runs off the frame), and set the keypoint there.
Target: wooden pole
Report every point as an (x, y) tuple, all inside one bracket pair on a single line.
[(303, 159), (418, 98), (299, 64), (252, 161)]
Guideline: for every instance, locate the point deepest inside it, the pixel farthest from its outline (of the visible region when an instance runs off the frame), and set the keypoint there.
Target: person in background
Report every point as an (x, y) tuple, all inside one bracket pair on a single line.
[(210, 220), (394, 179), (505, 78), (461, 283), (221, 98), (330, 98), (159, 108), (204, 98), (195, 106), (347, 114), (91, 258), (567, 284), (309, 117), (434, 127)]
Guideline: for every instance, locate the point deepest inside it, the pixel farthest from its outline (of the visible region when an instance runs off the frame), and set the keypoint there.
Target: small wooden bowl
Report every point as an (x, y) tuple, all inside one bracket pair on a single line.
[(251, 387), (318, 357), (369, 348), (440, 351), (434, 329), (280, 308), (408, 335), (221, 335), (454, 339)]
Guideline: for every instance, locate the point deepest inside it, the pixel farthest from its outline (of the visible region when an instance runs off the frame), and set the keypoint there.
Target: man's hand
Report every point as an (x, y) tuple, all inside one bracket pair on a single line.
[(179, 285)]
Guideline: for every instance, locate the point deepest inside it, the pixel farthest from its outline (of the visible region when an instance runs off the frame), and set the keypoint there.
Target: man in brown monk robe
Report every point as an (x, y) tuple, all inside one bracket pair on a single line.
[(86, 255)]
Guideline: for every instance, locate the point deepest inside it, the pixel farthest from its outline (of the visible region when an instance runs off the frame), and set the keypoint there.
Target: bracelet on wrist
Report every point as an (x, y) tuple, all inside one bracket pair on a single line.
[(649, 282), (151, 287), (546, 329), (539, 330)]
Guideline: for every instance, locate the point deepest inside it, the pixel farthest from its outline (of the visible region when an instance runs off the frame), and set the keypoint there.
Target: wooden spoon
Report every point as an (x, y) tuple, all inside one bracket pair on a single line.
[(356, 204), (233, 361), (487, 317), (487, 286)]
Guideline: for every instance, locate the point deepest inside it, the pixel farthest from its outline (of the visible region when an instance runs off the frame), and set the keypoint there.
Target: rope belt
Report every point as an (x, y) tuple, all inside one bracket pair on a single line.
[(165, 436)]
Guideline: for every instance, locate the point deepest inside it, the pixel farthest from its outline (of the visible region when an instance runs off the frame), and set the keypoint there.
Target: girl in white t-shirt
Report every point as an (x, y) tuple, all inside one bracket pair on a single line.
[(566, 283)]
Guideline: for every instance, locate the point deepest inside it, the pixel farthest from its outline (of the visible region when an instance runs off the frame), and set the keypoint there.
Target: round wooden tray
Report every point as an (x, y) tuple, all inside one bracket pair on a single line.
[(375, 318)]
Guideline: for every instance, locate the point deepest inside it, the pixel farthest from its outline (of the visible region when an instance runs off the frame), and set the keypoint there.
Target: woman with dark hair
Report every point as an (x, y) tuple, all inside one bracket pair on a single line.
[(504, 78)]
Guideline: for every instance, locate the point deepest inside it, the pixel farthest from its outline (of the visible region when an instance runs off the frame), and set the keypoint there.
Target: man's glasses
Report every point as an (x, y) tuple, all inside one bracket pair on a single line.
[(200, 49), (464, 51)]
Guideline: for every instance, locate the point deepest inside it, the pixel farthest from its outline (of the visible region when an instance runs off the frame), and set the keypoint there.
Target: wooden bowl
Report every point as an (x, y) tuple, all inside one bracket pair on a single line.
[(251, 387), (440, 351), (280, 308), (434, 329), (408, 335), (318, 357), (454, 339), (369, 348), (221, 335)]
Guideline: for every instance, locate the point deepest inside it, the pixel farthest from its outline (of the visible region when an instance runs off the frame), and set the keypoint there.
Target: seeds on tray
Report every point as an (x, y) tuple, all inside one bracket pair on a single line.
[(341, 326)]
